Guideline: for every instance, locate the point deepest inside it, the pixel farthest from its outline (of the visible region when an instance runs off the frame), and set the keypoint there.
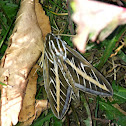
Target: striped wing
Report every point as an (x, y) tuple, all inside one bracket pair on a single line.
[(86, 77), (58, 91), (66, 71)]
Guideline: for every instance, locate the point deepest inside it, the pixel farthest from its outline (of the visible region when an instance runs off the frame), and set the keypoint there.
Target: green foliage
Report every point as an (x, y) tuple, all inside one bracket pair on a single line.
[(41, 121), (8, 10), (122, 121), (110, 46), (111, 112), (67, 39), (119, 94), (7, 14), (2, 84), (122, 55), (49, 119)]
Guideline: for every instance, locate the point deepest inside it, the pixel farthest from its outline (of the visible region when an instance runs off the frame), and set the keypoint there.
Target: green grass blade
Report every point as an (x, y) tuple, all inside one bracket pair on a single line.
[(2, 84), (110, 46)]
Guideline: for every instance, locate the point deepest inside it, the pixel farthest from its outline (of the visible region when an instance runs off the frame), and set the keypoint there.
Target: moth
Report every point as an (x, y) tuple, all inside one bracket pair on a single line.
[(66, 72)]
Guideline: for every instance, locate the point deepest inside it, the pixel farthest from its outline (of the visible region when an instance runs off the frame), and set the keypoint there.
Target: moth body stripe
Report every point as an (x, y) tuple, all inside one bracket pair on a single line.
[(93, 85), (60, 49), (62, 104), (52, 80), (63, 93), (74, 70), (52, 95), (95, 75), (84, 82), (55, 75), (82, 66), (95, 78), (50, 59), (62, 99), (63, 85), (57, 88), (90, 84), (54, 48)]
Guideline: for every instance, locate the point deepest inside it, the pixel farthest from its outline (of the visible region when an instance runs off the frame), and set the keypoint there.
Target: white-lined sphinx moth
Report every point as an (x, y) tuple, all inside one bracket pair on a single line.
[(65, 72)]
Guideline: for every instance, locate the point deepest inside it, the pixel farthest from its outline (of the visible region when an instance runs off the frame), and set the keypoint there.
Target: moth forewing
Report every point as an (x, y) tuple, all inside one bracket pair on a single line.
[(47, 85), (65, 92), (58, 91), (93, 81), (84, 75)]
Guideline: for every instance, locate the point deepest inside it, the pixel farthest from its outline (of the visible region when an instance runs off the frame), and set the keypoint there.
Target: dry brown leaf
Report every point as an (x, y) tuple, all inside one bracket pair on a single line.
[(28, 122), (27, 119), (41, 105), (25, 47), (28, 108), (43, 20), (45, 27)]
